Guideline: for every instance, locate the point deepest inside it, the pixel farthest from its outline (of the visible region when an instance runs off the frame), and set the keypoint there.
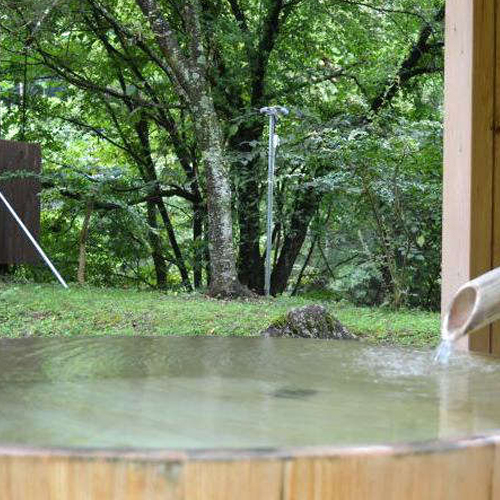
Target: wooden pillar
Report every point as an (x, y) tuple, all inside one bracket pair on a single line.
[(471, 206)]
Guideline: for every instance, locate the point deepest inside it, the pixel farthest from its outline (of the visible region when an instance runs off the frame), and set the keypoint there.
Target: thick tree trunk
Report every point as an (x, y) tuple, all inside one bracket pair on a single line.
[(224, 280), (187, 63), (250, 259)]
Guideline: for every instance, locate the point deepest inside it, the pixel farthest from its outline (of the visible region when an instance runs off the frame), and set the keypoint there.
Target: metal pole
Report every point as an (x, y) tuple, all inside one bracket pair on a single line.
[(32, 239), (273, 112), (270, 193)]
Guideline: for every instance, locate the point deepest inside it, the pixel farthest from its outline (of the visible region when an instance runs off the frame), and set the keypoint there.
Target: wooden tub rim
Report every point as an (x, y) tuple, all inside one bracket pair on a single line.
[(247, 454)]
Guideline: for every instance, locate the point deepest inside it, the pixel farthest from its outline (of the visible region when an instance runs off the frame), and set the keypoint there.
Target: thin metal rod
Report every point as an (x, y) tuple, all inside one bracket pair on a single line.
[(270, 194), (32, 239)]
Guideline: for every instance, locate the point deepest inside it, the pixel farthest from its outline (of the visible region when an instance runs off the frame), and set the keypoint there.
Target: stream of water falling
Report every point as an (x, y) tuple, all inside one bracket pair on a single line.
[(443, 351)]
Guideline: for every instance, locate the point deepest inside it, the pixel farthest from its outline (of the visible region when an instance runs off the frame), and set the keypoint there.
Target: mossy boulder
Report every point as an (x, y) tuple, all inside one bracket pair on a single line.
[(308, 322)]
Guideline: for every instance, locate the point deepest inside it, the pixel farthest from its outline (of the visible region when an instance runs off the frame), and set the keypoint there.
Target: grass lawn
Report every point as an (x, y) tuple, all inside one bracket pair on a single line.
[(47, 310)]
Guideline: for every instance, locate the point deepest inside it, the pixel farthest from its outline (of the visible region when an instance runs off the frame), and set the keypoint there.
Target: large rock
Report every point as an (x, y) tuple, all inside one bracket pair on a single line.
[(308, 322)]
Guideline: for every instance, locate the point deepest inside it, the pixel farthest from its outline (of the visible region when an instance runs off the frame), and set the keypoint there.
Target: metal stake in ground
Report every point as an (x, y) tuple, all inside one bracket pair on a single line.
[(273, 112), (32, 239)]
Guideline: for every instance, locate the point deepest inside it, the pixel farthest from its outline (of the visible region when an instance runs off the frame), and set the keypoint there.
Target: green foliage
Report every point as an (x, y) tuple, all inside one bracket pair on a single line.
[(357, 181), (384, 190)]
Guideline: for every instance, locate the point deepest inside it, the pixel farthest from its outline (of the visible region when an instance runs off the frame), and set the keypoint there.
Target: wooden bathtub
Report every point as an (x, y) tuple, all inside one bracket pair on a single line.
[(466, 469)]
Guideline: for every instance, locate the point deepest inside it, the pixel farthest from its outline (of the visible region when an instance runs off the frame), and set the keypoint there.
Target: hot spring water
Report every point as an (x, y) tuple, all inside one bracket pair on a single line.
[(197, 392)]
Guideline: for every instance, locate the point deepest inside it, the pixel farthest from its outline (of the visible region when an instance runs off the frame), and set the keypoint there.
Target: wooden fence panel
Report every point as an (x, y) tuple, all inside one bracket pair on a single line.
[(23, 195)]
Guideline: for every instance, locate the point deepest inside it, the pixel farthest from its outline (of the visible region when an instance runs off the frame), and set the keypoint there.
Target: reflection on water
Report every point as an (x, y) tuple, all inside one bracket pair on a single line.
[(230, 392), (294, 393)]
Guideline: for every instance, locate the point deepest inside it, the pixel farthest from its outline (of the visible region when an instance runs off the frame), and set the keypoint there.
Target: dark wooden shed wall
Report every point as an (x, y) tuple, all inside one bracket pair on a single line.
[(23, 195)]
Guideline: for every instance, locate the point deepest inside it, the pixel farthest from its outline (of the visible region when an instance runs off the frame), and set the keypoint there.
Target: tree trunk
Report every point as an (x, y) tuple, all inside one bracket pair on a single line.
[(149, 174), (304, 265), (304, 209), (82, 255), (206, 252), (187, 62), (175, 246), (198, 245), (250, 260), (224, 280), (156, 247)]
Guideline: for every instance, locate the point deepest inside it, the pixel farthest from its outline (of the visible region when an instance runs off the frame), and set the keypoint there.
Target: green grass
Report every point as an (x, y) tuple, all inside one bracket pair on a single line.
[(46, 310)]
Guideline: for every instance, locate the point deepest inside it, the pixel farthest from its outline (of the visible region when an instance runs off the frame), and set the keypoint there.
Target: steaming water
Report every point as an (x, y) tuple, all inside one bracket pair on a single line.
[(237, 392)]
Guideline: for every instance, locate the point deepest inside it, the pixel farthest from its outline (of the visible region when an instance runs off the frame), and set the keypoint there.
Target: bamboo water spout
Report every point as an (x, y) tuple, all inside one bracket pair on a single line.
[(476, 304)]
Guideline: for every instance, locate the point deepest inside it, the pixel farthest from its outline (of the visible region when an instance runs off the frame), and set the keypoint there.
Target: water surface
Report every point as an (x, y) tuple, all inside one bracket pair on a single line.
[(178, 392)]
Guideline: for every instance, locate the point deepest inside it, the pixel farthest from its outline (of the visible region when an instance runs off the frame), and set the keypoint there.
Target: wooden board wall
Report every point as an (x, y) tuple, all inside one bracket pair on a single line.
[(23, 195), (471, 194)]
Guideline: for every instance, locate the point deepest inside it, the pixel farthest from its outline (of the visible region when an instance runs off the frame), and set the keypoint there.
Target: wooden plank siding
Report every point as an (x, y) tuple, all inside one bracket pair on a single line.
[(23, 195), (471, 192)]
